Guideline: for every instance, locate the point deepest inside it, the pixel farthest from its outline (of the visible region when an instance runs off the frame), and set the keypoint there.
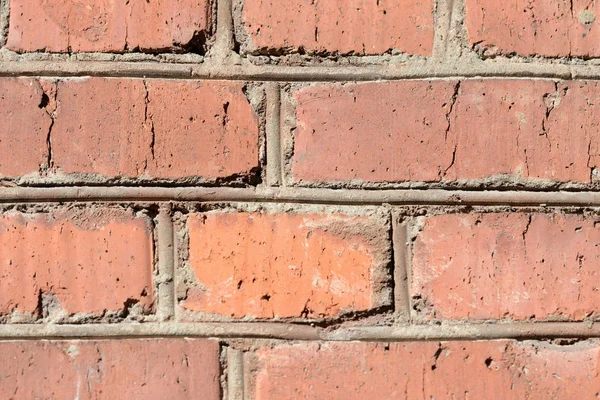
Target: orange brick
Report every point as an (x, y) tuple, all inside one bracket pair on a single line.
[(287, 265), (347, 27), (24, 128), (507, 265), (90, 261), (502, 369), (160, 129), (120, 369), (106, 25), (551, 28)]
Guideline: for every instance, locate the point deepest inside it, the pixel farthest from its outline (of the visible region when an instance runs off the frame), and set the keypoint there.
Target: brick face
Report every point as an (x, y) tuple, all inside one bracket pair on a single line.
[(285, 266), (507, 265), (159, 128), (88, 261), (425, 131), (556, 28), (393, 131), (350, 27), (149, 369), (100, 127), (106, 25), (24, 128), (206, 129), (410, 370)]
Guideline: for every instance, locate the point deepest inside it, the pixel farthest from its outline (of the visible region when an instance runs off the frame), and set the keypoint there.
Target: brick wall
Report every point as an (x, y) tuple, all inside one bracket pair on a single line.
[(259, 199)]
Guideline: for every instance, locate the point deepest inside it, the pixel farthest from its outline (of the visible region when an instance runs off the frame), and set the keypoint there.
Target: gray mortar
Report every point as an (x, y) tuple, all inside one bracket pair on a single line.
[(255, 93), (293, 196), (274, 156), (241, 38), (402, 267), (223, 49), (270, 333), (235, 374), (4, 21), (288, 126)]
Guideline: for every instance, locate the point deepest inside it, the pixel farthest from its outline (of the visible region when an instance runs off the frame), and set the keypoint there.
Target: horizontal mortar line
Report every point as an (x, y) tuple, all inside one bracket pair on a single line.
[(298, 195), (408, 70), (281, 331)]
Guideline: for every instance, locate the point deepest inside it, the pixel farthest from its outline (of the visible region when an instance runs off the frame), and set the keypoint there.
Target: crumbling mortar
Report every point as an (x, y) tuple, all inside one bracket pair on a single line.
[(246, 179), (288, 128), (148, 118), (256, 96), (4, 21), (45, 102), (223, 369)]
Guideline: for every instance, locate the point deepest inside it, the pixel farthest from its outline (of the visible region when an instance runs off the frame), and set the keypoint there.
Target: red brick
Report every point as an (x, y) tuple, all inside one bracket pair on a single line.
[(287, 265), (348, 27), (24, 128), (91, 261), (507, 265), (396, 132), (534, 130), (392, 131), (162, 129), (120, 369), (206, 129), (105, 25), (552, 28), (101, 128), (503, 369)]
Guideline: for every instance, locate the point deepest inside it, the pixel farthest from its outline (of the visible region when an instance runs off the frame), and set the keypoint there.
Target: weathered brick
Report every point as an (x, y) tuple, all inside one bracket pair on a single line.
[(506, 265), (206, 129), (101, 127), (159, 128), (506, 369), (120, 369), (24, 128), (106, 25), (287, 265), (90, 261), (511, 130), (393, 131), (552, 28), (528, 129), (347, 27)]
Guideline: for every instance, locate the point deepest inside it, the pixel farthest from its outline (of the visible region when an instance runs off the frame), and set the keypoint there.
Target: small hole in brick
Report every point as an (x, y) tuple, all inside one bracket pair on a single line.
[(44, 101)]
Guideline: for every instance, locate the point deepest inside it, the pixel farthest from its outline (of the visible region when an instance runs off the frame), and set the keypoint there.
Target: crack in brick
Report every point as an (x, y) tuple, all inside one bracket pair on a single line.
[(589, 160), (148, 119), (526, 230), (453, 101), (45, 103), (551, 101)]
